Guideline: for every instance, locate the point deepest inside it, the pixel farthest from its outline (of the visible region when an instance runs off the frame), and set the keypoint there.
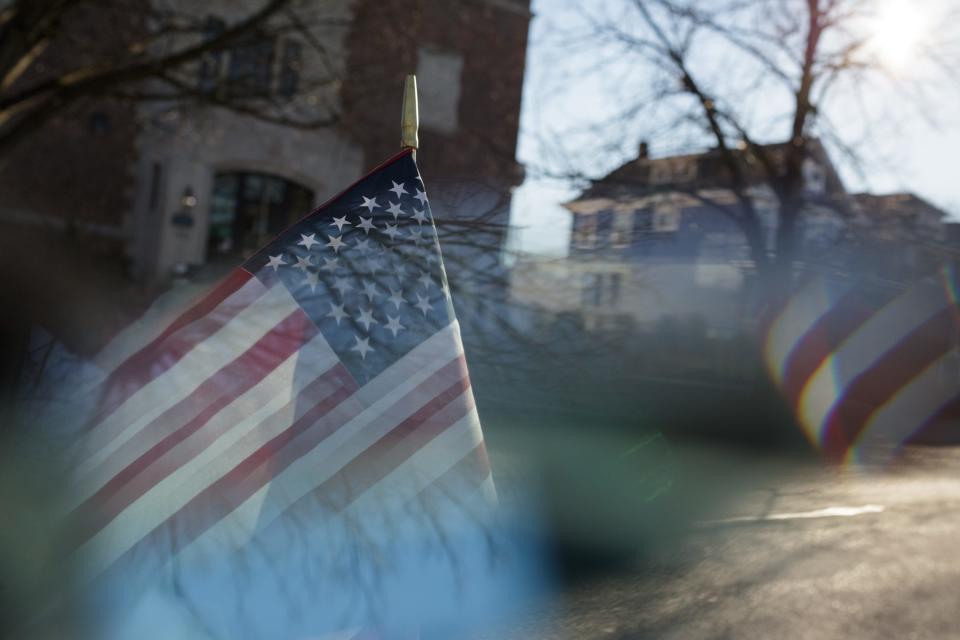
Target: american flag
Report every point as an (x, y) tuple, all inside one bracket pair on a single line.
[(867, 368), (323, 379)]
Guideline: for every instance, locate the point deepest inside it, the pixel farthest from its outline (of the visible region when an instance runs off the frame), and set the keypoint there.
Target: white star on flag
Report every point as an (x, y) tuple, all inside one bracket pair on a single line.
[(276, 261), (421, 196), (425, 280), (308, 240), (339, 222), (369, 290), (362, 347), (398, 188), (369, 203), (423, 304), (390, 230), (393, 324), (366, 224), (366, 319), (313, 279), (337, 312), (335, 243), (302, 263), (396, 298), (374, 265), (342, 285), (330, 264), (395, 209)]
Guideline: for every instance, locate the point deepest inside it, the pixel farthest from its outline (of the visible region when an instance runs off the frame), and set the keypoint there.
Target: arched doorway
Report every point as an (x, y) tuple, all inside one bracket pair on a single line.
[(248, 209)]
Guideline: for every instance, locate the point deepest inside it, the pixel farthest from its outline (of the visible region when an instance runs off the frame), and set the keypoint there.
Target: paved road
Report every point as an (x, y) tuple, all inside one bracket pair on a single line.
[(772, 556)]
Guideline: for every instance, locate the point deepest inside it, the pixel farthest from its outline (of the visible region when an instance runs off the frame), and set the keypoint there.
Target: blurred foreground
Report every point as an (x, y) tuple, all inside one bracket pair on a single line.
[(772, 551)]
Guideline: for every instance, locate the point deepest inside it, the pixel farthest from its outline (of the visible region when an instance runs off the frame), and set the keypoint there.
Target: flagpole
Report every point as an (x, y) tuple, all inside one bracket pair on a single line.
[(409, 116)]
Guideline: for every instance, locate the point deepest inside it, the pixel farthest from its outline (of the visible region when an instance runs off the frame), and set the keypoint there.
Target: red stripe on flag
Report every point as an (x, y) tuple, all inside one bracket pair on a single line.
[(206, 401), (394, 448), (324, 386), (894, 370), (470, 471), (826, 334), (318, 431), (230, 491), (169, 347), (943, 427)]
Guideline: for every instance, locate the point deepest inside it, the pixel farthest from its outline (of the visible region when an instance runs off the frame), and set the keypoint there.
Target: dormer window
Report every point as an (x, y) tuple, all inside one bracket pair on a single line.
[(622, 229), (814, 177), (585, 232)]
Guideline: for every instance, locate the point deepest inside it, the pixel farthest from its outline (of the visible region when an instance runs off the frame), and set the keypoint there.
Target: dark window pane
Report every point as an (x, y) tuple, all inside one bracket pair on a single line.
[(223, 206), (275, 188), (99, 122), (289, 81), (250, 71), (211, 63), (615, 287), (253, 187), (156, 174), (247, 209)]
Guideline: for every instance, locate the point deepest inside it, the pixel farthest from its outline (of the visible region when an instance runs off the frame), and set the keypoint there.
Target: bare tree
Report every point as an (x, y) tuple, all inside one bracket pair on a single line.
[(742, 74), (57, 53)]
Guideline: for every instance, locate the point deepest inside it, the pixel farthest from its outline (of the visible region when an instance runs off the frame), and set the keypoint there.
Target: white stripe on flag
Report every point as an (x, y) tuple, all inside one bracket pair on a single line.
[(389, 399), (202, 361), (797, 318), (236, 431), (423, 467), (911, 407), (861, 350), (155, 320)]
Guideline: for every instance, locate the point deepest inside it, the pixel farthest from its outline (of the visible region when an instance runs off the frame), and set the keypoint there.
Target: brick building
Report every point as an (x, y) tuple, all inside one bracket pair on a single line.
[(201, 186)]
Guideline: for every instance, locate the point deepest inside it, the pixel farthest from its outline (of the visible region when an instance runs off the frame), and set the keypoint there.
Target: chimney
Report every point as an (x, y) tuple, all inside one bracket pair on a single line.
[(644, 151)]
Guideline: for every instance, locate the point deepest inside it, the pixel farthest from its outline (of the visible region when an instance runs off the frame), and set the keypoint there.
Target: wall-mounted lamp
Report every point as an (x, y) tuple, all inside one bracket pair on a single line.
[(188, 200), (183, 219)]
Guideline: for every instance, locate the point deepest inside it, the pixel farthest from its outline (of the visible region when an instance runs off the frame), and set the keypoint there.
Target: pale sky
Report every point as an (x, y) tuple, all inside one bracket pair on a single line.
[(570, 88)]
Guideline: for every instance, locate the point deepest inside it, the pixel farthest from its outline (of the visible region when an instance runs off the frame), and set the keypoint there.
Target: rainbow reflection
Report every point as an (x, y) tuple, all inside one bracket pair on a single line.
[(868, 368)]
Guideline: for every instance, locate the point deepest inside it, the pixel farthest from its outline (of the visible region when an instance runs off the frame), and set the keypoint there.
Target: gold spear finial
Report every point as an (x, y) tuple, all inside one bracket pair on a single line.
[(410, 117)]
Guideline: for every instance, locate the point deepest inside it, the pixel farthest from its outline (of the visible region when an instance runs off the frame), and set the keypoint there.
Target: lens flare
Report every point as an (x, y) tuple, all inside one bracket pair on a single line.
[(865, 371), (898, 32)]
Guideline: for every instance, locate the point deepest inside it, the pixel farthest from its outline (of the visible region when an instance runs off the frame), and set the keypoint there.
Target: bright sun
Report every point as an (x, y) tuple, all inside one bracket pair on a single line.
[(898, 32)]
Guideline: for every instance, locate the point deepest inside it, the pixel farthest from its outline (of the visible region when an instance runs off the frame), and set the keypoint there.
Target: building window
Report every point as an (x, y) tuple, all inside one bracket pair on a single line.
[(438, 81), (255, 67), (211, 64), (666, 218), (248, 209), (674, 170), (601, 289), (814, 177), (642, 222), (288, 81), (592, 294), (622, 228), (585, 231), (249, 72), (613, 288)]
